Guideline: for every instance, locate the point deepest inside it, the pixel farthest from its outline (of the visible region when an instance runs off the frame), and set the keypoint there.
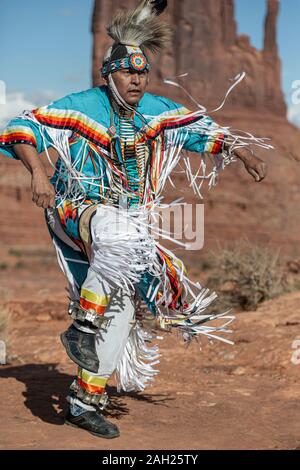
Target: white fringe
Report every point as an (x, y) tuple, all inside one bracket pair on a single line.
[(122, 246), (135, 369), (235, 139)]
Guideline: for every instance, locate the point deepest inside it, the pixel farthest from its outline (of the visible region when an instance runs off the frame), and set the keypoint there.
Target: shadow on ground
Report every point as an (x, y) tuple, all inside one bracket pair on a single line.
[(47, 389)]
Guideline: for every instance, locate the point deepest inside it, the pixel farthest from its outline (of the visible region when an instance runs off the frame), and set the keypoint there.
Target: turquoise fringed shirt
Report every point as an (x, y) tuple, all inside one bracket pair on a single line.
[(91, 140)]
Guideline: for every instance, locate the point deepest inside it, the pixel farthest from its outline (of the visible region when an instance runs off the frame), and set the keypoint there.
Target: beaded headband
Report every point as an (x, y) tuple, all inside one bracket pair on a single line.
[(136, 62)]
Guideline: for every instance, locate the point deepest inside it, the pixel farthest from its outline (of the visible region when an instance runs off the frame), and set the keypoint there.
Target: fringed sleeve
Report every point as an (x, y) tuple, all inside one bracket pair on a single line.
[(19, 131), (205, 135), (196, 131), (26, 128), (180, 129)]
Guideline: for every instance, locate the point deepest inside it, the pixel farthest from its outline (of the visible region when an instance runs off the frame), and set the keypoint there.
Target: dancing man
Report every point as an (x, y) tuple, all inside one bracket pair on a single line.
[(117, 145)]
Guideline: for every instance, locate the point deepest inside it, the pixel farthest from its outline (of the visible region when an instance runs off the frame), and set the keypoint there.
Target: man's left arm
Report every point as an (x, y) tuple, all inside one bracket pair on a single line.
[(212, 138), (204, 135)]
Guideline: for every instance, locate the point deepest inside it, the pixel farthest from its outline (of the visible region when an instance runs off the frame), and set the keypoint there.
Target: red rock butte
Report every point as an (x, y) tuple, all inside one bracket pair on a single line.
[(207, 46)]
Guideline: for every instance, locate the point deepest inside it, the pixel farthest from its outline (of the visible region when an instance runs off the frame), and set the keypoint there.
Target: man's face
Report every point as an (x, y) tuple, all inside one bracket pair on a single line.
[(131, 85)]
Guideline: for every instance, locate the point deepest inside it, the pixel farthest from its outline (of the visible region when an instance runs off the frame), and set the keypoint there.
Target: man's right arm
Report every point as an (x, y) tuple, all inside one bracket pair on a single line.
[(43, 193)]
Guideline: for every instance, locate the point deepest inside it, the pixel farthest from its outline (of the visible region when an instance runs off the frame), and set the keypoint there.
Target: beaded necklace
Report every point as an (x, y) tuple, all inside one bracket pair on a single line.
[(133, 156)]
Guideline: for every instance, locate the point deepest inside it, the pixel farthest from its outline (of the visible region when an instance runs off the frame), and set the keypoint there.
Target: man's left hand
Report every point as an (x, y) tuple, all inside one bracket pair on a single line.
[(255, 167)]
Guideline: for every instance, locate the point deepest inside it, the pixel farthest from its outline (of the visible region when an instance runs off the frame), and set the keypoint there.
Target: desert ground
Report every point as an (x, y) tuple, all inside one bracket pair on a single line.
[(207, 396)]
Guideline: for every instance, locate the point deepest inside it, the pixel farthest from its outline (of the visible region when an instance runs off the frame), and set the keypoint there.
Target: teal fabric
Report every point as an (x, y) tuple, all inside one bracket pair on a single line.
[(95, 104), (131, 168)]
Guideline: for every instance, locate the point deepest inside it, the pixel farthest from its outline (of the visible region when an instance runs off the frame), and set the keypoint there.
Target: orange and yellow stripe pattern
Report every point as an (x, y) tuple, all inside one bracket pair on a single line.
[(90, 300), (214, 144), (18, 134), (75, 121), (91, 383), (167, 121), (179, 118)]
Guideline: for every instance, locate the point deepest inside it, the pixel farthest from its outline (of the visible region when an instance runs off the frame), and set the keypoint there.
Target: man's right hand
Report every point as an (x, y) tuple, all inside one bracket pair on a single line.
[(43, 193)]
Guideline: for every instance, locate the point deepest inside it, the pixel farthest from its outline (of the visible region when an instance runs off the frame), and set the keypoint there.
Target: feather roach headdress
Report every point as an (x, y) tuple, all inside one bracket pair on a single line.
[(134, 33), (141, 27)]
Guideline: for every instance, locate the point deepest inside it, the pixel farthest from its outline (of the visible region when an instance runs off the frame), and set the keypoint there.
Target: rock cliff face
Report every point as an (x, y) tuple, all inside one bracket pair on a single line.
[(207, 46)]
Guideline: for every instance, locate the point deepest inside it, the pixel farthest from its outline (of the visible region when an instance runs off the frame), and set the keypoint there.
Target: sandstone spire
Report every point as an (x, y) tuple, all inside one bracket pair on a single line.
[(229, 29), (270, 42)]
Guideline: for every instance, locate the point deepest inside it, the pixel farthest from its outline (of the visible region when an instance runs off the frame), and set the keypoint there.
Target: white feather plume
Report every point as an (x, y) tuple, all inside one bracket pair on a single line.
[(141, 27)]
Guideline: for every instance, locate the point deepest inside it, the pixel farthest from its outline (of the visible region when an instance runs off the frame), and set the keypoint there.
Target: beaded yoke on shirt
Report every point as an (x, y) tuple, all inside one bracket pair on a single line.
[(133, 156)]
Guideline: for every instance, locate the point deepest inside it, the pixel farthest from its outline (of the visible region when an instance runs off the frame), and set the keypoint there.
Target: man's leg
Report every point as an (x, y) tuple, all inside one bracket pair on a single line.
[(89, 315), (87, 393), (102, 314), (107, 229)]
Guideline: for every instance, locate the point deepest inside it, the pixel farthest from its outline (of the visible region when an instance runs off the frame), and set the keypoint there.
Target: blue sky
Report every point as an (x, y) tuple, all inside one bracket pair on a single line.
[(250, 17), (45, 47)]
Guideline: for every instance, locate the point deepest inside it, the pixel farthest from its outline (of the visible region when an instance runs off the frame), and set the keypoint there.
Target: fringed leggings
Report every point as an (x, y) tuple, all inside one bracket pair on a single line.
[(93, 292)]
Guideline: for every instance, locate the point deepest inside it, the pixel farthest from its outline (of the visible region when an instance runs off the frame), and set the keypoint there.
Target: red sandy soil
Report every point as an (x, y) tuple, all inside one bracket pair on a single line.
[(244, 396)]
